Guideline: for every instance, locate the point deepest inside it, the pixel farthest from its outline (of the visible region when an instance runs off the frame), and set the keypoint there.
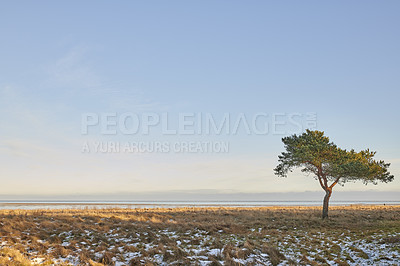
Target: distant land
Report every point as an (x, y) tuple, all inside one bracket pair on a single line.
[(212, 195)]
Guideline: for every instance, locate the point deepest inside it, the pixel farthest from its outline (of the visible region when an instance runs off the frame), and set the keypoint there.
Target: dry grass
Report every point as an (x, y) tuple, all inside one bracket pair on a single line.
[(233, 236)]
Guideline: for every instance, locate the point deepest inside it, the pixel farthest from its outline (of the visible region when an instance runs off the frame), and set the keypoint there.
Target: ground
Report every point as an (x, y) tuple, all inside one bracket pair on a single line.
[(353, 235)]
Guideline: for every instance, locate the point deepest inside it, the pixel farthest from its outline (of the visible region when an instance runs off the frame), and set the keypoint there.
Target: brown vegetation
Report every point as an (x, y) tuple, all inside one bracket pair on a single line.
[(235, 236)]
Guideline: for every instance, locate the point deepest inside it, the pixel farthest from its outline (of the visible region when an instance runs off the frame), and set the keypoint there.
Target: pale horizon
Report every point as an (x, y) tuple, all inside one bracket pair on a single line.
[(346, 197)]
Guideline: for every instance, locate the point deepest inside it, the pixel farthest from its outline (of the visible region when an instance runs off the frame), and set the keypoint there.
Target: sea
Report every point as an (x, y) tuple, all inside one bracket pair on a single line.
[(32, 205)]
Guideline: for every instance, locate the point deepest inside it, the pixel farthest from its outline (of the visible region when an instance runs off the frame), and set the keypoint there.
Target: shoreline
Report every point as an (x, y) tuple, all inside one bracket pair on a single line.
[(134, 208), (175, 205)]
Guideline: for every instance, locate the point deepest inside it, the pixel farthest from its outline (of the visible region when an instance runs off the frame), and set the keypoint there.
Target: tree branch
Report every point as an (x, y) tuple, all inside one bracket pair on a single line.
[(320, 182), (325, 181), (310, 163), (323, 177), (334, 183)]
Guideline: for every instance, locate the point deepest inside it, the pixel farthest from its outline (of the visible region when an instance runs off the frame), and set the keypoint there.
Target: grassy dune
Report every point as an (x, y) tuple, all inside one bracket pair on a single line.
[(352, 235)]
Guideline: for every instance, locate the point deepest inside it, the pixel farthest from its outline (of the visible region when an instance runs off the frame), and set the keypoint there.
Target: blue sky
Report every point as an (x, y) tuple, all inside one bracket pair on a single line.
[(60, 60)]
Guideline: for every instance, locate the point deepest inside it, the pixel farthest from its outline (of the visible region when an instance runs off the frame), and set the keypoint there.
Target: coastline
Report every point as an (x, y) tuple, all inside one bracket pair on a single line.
[(178, 204)]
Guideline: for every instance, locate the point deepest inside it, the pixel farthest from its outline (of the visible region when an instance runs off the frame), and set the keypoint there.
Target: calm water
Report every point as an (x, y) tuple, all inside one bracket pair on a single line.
[(172, 204)]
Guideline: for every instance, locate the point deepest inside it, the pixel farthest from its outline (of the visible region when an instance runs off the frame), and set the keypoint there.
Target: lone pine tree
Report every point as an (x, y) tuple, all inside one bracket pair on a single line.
[(315, 154)]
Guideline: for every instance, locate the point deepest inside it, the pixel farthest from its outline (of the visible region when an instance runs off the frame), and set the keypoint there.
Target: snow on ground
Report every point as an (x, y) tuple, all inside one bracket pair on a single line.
[(353, 250)]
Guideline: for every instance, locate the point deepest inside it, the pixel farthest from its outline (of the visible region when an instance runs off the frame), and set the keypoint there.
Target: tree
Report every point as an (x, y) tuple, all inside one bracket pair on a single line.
[(315, 154)]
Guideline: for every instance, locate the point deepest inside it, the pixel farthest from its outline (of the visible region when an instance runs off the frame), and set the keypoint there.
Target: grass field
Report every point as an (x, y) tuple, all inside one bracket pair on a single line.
[(353, 235)]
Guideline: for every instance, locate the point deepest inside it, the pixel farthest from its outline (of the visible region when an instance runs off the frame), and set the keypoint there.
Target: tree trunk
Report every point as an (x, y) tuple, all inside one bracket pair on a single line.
[(326, 203)]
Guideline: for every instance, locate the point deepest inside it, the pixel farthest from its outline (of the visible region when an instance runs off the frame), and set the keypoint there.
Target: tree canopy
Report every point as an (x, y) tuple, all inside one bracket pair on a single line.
[(315, 154)]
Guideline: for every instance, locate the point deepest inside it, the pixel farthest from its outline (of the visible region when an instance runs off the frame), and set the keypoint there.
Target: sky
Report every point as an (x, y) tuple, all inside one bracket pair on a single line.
[(71, 71)]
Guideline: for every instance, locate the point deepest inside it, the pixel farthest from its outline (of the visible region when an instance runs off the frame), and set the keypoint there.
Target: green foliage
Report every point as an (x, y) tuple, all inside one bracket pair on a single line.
[(316, 154)]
